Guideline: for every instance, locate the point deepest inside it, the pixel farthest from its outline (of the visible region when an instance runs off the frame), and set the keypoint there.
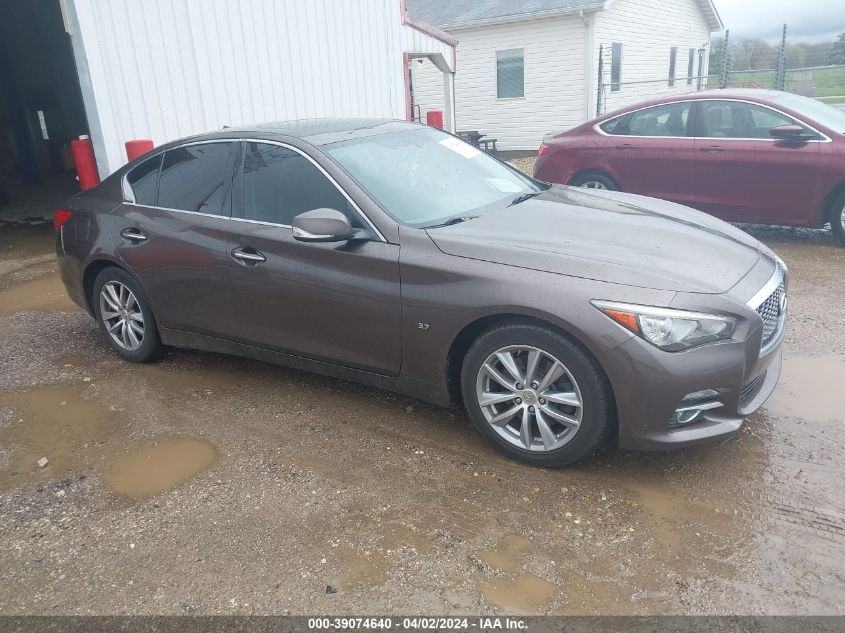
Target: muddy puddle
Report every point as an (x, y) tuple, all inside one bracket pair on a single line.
[(810, 388), (55, 422), (154, 469), (44, 294), (523, 594), (508, 553)]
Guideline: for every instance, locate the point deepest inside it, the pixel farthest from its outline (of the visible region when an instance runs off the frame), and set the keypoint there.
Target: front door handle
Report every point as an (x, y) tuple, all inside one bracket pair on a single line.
[(713, 148), (248, 256), (627, 146), (136, 236)]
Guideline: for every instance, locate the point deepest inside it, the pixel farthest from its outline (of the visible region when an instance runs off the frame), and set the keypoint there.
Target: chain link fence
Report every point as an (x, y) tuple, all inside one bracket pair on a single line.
[(825, 83)]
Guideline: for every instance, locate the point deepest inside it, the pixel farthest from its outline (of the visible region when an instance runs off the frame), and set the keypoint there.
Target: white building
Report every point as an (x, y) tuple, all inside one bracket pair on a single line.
[(165, 69), (531, 67)]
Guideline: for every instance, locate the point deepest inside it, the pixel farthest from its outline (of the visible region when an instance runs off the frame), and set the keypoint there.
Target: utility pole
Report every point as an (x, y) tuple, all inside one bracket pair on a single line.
[(780, 74), (726, 61)]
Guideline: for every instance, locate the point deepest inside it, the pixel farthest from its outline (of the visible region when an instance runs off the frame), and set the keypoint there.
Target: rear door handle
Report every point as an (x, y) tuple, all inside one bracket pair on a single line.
[(134, 235), (248, 256), (627, 146), (713, 148)]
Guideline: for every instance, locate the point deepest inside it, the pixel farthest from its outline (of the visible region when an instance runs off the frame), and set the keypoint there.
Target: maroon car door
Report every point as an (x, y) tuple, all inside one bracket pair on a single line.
[(744, 174), (338, 302), (650, 153)]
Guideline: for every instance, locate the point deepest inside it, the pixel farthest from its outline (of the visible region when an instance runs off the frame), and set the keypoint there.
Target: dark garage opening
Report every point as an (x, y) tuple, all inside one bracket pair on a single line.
[(41, 109)]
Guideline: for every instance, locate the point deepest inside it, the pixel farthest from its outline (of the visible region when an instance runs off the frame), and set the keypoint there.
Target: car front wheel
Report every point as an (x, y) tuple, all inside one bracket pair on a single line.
[(535, 395), (124, 315)]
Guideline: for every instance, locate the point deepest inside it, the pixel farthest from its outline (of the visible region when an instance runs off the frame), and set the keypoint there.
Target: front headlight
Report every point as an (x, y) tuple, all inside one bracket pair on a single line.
[(670, 330)]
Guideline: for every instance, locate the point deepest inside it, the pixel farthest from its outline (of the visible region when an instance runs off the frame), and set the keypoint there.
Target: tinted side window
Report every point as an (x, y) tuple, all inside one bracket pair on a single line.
[(721, 119), (665, 120), (193, 178), (762, 120), (279, 184), (143, 180)]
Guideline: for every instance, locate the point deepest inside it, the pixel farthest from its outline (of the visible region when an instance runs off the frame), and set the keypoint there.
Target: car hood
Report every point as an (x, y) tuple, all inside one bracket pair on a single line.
[(608, 236)]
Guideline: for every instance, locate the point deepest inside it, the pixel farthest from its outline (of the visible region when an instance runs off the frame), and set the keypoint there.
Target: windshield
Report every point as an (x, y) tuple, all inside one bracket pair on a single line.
[(828, 116), (424, 177)]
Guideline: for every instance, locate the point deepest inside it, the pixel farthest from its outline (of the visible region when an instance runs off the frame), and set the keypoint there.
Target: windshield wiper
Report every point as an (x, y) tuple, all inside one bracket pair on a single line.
[(450, 222), (524, 196)]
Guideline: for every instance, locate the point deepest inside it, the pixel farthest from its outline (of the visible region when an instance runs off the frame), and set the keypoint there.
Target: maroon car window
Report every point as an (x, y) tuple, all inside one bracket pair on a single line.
[(740, 120), (143, 180), (670, 119), (279, 184), (193, 178)]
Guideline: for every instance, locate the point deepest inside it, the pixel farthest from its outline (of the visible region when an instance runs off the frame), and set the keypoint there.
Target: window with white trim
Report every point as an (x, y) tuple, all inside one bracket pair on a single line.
[(673, 63), (510, 73), (615, 66)]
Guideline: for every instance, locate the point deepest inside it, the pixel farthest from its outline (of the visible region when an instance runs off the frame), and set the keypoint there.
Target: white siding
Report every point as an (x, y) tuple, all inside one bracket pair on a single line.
[(648, 31), (164, 69), (554, 81), (428, 88)]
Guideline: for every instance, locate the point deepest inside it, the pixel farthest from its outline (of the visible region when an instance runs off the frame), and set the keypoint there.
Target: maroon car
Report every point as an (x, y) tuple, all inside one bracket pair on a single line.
[(742, 155)]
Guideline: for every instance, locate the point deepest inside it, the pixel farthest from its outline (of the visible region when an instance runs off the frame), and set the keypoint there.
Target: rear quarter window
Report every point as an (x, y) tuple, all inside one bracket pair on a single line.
[(143, 181)]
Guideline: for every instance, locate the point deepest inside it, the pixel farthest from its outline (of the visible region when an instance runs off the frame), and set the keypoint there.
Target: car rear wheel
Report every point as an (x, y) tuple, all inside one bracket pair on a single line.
[(535, 395), (124, 315), (837, 218), (594, 180)]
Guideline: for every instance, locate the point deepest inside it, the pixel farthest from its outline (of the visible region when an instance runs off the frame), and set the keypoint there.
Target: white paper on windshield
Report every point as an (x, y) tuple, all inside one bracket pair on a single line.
[(503, 185), (459, 147)]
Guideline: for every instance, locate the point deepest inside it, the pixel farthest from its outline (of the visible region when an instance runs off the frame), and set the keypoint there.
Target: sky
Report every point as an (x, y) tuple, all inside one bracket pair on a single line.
[(808, 20)]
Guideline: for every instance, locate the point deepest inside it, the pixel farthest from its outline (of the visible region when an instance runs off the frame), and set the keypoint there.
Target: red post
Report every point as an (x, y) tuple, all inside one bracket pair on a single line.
[(86, 166), (137, 148), (434, 118)]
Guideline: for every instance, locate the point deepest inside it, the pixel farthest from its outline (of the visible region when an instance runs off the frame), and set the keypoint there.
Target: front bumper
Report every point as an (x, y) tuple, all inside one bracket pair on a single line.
[(650, 385)]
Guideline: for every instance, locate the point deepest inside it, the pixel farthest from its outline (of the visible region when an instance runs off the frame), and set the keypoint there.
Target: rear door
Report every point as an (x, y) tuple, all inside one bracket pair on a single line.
[(338, 302), (651, 153), (743, 174), (173, 235)]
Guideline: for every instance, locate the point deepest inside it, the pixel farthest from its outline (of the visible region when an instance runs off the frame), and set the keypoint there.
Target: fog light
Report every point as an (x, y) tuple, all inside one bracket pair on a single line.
[(693, 406)]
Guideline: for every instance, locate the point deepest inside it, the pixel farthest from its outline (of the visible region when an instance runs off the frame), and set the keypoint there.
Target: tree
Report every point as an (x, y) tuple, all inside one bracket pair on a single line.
[(837, 56)]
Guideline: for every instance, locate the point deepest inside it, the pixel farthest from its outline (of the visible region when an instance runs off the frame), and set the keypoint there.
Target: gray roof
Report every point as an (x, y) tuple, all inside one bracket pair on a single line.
[(456, 13)]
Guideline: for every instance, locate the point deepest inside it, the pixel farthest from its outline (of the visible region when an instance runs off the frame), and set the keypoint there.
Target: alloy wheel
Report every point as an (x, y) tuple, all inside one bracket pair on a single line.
[(122, 316), (593, 184), (529, 398)]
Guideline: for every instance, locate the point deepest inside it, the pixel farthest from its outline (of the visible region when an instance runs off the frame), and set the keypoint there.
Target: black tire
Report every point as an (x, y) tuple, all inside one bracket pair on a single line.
[(598, 409), (150, 348), (837, 218), (595, 178)]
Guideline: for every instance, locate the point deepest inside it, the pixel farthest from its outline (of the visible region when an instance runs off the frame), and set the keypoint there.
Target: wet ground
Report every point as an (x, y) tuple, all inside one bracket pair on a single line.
[(210, 484)]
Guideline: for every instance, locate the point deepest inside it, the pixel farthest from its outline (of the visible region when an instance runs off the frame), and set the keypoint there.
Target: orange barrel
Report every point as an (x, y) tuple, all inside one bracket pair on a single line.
[(137, 148), (86, 166)]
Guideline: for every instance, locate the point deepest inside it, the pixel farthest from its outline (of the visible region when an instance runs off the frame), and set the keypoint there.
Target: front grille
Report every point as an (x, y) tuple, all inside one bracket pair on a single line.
[(769, 311), (750, 390)]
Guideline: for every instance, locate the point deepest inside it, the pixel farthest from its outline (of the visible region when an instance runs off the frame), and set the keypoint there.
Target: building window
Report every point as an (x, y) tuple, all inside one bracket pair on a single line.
[(510, 74), (673, 62), (615, 66), (691, 66)]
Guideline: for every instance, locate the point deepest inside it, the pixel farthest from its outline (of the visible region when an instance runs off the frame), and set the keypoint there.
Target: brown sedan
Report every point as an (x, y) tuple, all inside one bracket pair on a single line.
[(401, 257)]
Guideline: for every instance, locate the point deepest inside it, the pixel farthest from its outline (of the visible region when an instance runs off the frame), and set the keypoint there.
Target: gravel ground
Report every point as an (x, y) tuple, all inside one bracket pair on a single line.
[(302, 494)]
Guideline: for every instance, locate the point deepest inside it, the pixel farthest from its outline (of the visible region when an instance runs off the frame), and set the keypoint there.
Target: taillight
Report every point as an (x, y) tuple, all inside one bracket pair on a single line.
[(544, 149), (60, 217)]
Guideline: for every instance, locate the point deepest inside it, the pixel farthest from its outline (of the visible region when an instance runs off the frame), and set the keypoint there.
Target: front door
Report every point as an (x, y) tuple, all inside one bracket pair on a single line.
[(743, 174), (335, 302), (173, 235)]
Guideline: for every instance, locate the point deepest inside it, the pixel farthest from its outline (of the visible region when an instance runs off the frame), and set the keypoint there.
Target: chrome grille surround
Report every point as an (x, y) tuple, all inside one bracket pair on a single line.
[(770, 304)]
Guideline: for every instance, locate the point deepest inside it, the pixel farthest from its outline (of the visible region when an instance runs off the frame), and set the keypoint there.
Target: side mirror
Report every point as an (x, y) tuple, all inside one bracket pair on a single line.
[(790, 133), (322, 225)]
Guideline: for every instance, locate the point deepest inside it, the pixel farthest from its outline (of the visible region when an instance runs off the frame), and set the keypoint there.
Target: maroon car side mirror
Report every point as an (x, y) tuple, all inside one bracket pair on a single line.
[(790, 133)]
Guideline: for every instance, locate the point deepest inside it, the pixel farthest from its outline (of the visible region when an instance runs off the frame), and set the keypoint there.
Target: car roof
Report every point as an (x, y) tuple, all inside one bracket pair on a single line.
[(753, 94), (314, 131)]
